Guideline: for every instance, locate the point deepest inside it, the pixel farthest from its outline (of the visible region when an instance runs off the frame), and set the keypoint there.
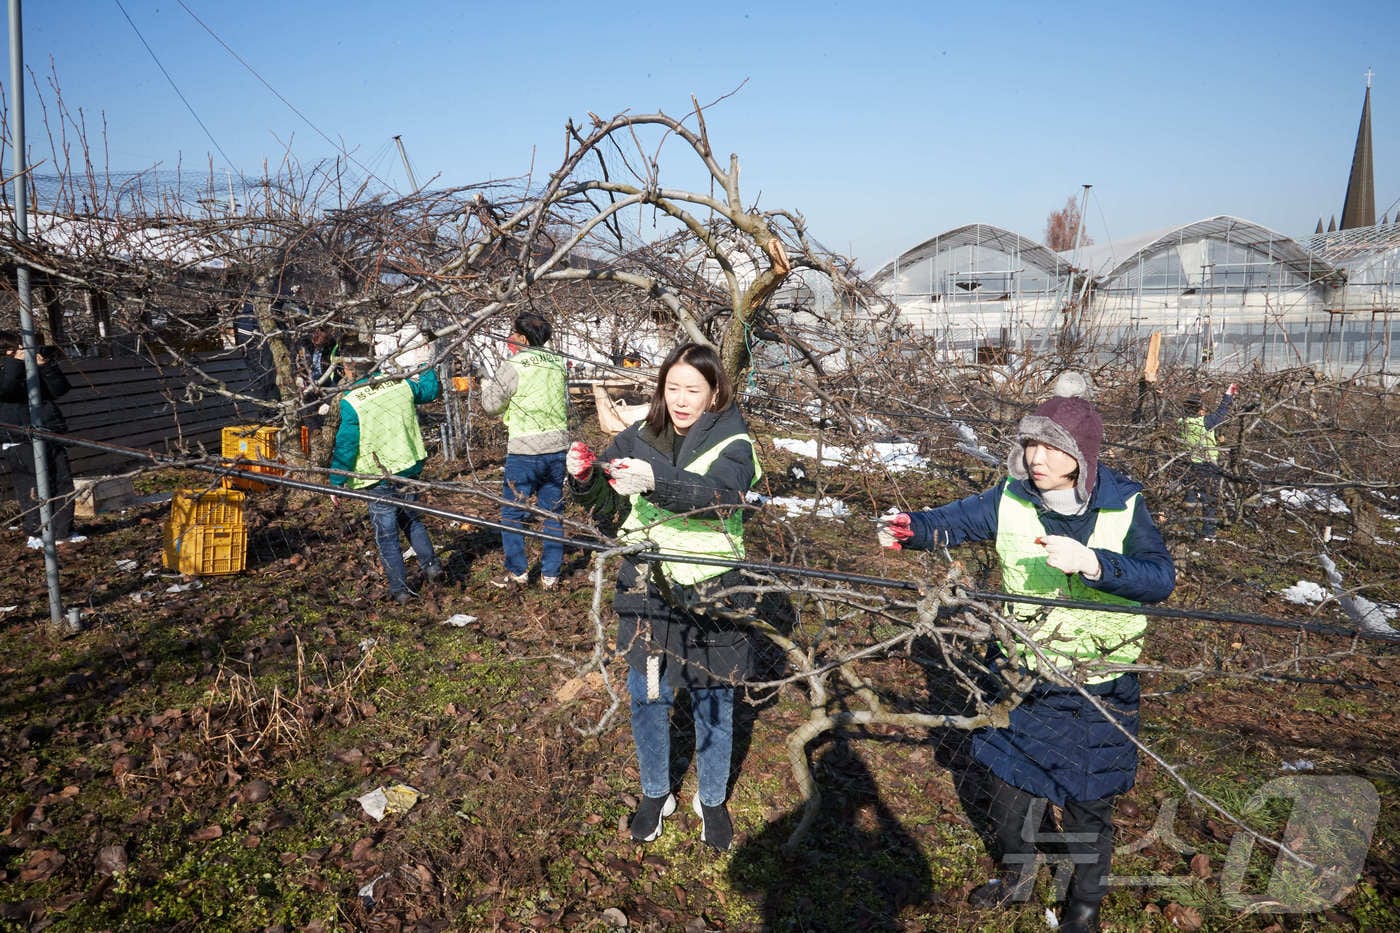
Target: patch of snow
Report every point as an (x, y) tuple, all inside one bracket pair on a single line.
[(1305, 593), (871, 425), (825, 508), (1370, 616), (1302, 764), (1311, 498), (893, 456)]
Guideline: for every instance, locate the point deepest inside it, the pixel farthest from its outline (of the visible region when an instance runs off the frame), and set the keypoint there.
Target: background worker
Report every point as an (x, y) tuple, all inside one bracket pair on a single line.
[(379, 435), (19, 447), (530, 393), (317, 373), (1203, 456)]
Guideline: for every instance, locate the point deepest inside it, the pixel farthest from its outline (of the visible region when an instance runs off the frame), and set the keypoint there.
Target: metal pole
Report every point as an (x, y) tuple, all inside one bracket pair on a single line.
[(26, 316), (403, 154)]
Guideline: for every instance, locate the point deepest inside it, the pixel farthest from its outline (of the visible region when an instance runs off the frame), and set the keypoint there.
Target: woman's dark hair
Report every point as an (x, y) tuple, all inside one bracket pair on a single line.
[(534, 328), (704, 359)]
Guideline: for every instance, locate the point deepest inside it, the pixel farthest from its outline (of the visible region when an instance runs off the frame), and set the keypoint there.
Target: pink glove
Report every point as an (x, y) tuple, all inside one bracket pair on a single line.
[(893, 530), (630, 476), (1069, 556), (1234, 387), (579, 460)]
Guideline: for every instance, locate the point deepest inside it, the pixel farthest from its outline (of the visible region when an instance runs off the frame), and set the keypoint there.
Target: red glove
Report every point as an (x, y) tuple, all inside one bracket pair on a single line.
[(1234, 387), (579, 460), (893, 530)]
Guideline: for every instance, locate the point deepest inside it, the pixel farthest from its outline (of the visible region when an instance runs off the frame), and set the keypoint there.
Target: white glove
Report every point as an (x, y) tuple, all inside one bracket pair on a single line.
[(1069, 556), (630, 476), (579, 460), (893, 530)]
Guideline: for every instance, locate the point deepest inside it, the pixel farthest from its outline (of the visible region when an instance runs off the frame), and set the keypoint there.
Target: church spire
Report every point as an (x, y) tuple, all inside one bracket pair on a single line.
[(1359, 209)]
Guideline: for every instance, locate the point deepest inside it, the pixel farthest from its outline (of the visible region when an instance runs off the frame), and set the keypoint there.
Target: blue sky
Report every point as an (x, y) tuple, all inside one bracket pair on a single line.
[(882, 122)]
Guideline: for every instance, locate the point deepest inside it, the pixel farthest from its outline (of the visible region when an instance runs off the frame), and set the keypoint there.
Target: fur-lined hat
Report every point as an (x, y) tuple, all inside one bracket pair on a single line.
[(1069, 424)]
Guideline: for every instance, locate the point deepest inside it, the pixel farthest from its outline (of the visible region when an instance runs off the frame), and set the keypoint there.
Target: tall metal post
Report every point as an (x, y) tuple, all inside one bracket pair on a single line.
[(403, 154), (26, 315)]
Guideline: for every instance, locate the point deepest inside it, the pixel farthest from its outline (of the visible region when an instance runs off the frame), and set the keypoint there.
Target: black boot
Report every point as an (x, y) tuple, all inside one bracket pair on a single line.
[(1002, 891), (1080, 917)]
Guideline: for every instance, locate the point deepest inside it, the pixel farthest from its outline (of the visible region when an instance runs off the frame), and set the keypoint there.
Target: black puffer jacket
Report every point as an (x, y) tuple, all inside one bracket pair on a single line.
[(702, 648), (14, 397)]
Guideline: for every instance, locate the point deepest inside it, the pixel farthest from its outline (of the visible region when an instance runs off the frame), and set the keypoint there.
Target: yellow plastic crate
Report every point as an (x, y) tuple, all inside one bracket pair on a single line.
[(206, 507), (249, 442), (202, 550)]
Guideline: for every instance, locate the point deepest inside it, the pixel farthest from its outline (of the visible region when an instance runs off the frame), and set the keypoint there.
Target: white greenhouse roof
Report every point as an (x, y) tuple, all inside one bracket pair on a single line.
[(986, 235), (1108, 260), (166, 241), (1357, 246)]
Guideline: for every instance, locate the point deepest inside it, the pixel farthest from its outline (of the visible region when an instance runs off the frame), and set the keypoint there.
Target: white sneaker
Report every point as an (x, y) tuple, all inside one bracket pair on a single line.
[(74, 539), (34, 544), (510, 580), (549, 583)]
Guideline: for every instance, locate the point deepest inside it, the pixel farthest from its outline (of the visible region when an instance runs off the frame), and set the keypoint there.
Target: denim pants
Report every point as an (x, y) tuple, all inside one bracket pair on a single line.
[(1201, 482), (389, 518), (651, 734), (541, 476)]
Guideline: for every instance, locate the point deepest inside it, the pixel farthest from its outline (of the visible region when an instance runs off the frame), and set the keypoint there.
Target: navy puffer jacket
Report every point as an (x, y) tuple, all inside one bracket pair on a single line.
[(1058, 745)]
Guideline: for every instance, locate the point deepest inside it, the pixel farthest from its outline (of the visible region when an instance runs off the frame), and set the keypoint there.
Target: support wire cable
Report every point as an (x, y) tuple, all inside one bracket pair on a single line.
[(755, 567), (339, 146), (188, 106)]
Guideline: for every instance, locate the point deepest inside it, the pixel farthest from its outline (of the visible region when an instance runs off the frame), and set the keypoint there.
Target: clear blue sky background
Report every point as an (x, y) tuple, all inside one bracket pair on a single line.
[(884, 123)]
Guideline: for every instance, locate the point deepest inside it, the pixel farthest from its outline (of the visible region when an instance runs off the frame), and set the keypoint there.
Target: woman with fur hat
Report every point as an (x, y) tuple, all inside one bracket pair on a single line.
[(1065, 526)]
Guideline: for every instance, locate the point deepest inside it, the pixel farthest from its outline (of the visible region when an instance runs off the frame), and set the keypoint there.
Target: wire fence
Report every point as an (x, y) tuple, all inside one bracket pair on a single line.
[(874, 641)]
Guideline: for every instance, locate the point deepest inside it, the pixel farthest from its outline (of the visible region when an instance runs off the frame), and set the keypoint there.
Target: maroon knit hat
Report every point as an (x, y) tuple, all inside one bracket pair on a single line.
[(1070, 424)]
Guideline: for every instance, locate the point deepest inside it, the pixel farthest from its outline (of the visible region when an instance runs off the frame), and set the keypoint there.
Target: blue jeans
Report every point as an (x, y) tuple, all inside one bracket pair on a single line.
[(651, 734), (389, 518), (541, 476), (1201, 482)]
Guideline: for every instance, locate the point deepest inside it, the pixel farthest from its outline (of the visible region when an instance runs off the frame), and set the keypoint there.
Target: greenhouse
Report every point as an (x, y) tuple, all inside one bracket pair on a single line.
[(1222, 292)]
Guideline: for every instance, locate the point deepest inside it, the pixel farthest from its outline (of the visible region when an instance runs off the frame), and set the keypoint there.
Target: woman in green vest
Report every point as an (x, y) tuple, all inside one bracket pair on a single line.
[(1067, 526), (677, 479)]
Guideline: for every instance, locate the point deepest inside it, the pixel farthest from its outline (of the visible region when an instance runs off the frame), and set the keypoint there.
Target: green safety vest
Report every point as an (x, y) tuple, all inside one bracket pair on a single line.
[(676, 534), (539, 403), (1073, 634), (390, 440), (1200, 441)]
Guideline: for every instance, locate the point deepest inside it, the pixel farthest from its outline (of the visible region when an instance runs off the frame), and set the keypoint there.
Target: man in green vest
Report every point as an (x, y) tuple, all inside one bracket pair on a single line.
[(530, 393), (1203, 455), (379, 442)]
